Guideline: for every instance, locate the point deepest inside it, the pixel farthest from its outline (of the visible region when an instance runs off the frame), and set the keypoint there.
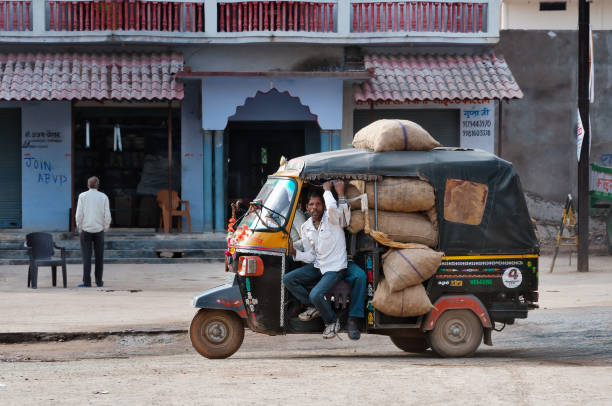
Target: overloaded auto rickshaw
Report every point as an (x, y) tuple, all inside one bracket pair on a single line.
[(488, 276)]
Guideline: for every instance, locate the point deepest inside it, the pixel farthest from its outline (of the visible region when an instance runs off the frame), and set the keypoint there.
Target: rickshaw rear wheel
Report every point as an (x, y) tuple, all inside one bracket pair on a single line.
[(216, 333), (457, 333), (410, 344)]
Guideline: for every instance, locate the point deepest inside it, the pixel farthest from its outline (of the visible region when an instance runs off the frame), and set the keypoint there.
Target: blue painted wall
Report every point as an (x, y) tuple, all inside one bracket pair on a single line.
[(192, 148), (221, 96), (273, 106), (46, 164)]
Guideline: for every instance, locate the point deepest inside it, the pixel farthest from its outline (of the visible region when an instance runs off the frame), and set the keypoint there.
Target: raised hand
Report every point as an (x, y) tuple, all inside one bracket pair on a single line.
[(339, 186)]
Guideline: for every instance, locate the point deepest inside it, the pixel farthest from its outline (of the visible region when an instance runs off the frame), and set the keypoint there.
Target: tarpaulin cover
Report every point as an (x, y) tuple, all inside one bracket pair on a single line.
[(506, 226)]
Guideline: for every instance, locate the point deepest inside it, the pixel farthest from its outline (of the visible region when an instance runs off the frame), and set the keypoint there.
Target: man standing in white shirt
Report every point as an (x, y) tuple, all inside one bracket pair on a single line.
[(325, 255), (93, 218)]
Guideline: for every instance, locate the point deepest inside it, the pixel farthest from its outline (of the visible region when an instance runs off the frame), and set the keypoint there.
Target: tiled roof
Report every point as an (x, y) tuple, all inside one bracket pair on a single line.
[(401, 78), (75, 76)]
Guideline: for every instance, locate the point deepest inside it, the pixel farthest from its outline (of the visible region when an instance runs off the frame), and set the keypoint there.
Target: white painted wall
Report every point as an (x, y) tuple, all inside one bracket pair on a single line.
[(526, 15), (45, 165), (261, 57)]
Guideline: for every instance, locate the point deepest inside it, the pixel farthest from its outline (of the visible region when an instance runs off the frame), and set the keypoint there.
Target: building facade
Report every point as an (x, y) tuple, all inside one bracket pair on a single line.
[(552, 15), (206, 96), (540, 44)]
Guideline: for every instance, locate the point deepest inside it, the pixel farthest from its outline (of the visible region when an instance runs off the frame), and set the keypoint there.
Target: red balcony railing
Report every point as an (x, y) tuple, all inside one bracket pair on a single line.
[(418, 16), (15, 15), (140, 15), (223, 21), (309, 16)]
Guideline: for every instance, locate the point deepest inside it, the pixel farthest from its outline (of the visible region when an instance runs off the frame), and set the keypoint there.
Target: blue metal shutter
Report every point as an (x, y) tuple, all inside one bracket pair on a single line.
[(10, 168)]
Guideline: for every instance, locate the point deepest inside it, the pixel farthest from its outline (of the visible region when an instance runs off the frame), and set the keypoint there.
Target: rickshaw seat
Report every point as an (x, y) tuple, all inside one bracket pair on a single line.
[(340, 295)]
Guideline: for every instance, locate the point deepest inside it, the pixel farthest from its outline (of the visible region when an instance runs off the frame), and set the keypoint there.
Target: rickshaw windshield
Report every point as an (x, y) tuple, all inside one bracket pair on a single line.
[(272, 205)]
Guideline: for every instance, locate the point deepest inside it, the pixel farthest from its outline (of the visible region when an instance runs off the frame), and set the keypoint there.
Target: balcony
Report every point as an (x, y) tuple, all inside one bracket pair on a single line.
[(344, 22)]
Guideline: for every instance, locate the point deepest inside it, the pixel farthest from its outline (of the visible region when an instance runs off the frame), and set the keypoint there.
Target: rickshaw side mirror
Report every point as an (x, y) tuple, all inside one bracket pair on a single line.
[(250, 266)]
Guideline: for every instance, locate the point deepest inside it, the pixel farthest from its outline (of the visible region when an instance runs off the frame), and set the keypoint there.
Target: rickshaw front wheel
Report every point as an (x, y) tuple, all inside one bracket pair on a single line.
[(457, 333), (409, 344), (216, 333)]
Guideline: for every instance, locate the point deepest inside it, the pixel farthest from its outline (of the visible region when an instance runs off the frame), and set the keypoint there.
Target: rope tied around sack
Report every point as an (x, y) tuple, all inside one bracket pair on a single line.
[(379, 236)]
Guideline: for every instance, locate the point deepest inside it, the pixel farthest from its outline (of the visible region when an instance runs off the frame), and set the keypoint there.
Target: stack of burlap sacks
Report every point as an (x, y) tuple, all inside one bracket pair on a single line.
[(406, 214)]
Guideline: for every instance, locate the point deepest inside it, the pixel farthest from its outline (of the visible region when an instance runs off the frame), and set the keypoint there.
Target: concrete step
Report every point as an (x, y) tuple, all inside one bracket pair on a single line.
[(131, 235), (127, 261), (127, 244), (125, 253), (126, 247)]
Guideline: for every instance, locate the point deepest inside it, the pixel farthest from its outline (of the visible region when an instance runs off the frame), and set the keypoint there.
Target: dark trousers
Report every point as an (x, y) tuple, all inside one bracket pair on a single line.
[(307, 275), (97, 239)]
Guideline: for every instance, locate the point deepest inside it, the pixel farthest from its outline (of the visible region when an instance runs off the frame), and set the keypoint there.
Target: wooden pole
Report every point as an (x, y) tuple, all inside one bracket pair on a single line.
[(583, 107), (169, 217), (499, 128), (72, 225)]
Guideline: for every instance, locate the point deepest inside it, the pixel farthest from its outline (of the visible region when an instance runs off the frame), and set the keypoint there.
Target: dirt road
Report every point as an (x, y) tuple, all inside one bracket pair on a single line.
[(560, 355), (557, 357)]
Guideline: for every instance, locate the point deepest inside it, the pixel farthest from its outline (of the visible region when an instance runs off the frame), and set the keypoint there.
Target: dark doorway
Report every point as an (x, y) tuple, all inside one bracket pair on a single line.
[(442, 124), (132, 175), (255, 150), (10, 168)]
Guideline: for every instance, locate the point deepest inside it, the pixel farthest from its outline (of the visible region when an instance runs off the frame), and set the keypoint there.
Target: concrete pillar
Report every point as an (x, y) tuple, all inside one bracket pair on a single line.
[(38, 17), (192, 159), (493, 20), (335, 141), (325, 140), (210, 18), (330, 140), (208, 180), (344, 17), (220, 181)]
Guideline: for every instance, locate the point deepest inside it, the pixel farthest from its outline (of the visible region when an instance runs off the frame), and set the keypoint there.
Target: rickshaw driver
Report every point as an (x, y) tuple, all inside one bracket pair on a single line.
[(325, 254)]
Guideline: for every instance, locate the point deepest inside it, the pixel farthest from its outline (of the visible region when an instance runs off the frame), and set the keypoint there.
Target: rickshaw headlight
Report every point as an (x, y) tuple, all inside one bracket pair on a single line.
[(250, 266)]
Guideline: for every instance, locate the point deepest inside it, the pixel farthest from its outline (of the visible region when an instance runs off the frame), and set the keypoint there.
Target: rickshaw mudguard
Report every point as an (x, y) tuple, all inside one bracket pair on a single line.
[(467, 302), (224, 297)]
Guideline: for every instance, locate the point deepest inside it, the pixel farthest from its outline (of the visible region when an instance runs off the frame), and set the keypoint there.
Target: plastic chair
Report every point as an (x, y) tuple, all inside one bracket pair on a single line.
[(165, 218), (40, 250)]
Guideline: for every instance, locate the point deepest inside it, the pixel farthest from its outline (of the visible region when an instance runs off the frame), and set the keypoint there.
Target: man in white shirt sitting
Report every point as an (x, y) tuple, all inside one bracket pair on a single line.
[(93, 218), (324, 251)]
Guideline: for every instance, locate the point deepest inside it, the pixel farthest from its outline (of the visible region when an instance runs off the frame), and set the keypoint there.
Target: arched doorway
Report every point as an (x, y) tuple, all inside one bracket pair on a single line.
[(268, 126)]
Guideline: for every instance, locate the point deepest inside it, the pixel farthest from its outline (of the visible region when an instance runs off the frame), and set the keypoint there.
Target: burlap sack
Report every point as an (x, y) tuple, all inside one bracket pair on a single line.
[(411, 301), (402, 227), (394, 135), (408, 267), (396, 194), (432, 214)]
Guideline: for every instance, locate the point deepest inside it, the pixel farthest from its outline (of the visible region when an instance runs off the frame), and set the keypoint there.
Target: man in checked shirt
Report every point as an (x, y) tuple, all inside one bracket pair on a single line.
[(326, 262)]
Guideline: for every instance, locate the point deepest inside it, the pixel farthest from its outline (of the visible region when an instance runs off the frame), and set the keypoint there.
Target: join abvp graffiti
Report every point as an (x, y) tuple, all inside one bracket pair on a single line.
[(44, 170)]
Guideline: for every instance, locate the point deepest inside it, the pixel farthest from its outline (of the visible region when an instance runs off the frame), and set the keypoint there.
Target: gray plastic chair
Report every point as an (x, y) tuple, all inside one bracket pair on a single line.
[(40, 250)]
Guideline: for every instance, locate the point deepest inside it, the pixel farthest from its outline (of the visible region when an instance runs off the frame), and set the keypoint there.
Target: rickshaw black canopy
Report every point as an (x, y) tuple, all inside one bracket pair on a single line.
[(506, 226)]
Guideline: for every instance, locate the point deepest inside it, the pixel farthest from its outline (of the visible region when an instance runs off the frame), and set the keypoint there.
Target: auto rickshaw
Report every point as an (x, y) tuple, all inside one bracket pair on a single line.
[(488, 276)]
